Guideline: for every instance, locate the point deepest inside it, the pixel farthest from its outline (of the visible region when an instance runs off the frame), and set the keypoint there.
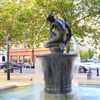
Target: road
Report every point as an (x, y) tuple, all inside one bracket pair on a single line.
[(26, 70)]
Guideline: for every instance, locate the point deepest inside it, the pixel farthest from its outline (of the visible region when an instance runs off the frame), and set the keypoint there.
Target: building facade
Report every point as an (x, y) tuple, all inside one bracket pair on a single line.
[(25, 55), (3, 56)]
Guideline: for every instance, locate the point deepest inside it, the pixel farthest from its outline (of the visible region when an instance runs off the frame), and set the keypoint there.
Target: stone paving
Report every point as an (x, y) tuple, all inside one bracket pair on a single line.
[(81, 78), (20, 79)]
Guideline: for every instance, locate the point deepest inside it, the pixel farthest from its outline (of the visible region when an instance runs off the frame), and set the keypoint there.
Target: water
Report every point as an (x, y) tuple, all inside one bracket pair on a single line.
[(35, 92), (75, 45), (74, 48), (88, 92), (25, 93)]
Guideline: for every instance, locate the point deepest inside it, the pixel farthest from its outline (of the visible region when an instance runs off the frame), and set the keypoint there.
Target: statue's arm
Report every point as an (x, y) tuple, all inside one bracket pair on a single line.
[(68, 36), (51, 27), (69, 29), (51, 33)]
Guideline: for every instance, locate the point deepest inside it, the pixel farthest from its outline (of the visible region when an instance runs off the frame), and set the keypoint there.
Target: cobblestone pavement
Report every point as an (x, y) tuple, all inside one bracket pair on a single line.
[(34, 76)]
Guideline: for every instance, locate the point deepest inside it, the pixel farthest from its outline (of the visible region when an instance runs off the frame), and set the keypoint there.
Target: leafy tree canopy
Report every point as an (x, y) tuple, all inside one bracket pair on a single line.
[(22, 20)]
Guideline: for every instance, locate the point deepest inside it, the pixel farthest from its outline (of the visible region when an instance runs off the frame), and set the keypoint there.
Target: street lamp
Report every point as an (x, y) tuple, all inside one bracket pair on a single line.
[(8, 69), (97, 71), (33, 59)]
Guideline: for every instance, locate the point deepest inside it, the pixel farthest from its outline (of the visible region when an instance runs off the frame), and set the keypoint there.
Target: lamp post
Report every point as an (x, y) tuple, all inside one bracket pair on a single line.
[(8, 69), (33, 59), (97, 71)]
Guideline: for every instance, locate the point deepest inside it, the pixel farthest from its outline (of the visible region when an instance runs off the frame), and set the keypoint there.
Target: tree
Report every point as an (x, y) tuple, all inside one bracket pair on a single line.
[(90, 53), (99, 56), (86, 54), (82, 16), (22, 20)]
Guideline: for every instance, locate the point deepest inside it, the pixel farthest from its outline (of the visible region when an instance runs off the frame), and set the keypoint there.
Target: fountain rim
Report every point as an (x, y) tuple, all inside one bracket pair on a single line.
[(58, 54)]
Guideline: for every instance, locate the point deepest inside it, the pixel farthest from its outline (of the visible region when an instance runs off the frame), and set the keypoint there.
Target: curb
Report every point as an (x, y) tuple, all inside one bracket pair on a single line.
[(14, 86), (8, 87)]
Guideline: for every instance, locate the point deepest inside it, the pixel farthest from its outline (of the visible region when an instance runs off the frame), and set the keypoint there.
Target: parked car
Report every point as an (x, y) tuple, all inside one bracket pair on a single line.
[(21, 64), (84, 67), (12, 66), (28, 65), (1, 64)]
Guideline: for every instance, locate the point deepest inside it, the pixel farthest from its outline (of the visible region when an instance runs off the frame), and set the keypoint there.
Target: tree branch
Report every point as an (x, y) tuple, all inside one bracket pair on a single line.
[(82, 18)]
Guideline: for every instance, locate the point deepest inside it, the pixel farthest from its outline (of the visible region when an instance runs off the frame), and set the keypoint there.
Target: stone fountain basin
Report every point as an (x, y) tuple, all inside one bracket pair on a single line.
[(57, 69)]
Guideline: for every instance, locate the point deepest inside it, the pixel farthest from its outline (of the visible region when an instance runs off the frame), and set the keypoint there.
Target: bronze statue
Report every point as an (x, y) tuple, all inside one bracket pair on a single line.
[(58, 34), (58, 66)]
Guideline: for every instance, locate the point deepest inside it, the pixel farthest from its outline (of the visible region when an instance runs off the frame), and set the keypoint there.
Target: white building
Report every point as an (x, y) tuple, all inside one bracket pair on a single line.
[(3, 53)]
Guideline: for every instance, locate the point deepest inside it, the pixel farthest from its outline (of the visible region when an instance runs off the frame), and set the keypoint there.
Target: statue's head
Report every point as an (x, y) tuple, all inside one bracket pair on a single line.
[(51, 17)]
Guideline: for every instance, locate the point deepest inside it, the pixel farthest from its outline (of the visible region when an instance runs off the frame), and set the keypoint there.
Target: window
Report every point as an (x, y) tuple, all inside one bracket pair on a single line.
[(20, 58), (26, 58), (14, 58)]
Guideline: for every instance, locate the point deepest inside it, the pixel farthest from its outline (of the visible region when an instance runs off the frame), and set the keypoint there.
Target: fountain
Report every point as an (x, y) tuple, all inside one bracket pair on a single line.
[(58, 73), (57, 66)]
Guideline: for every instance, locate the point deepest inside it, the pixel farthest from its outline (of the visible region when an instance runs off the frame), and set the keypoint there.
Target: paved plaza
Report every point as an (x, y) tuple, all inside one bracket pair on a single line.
[(30, 76), (34, 76)]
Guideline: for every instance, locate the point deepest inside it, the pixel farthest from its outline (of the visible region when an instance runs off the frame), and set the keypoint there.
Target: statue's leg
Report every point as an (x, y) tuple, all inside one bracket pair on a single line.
[(52, 41), (56, 43), (56, 39)]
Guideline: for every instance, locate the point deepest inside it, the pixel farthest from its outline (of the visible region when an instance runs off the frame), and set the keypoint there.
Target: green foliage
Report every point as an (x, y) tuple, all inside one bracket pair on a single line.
[(22, 20), (90, 53), (86, 54), (99, 56)]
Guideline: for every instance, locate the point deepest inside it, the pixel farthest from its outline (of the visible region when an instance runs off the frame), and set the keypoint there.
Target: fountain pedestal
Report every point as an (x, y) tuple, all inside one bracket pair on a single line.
[(57, 70), (48, 96)]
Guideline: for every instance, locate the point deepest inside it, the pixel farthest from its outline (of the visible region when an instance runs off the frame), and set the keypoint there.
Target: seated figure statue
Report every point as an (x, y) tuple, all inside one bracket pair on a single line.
[(58, 34)]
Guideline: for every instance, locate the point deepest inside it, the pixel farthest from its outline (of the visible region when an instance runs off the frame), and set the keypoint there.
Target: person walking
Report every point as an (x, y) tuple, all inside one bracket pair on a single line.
[(89, 74)]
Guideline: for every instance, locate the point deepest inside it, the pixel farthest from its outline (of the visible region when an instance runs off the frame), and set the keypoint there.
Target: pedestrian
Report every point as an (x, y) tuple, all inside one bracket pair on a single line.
[(89, 74)]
